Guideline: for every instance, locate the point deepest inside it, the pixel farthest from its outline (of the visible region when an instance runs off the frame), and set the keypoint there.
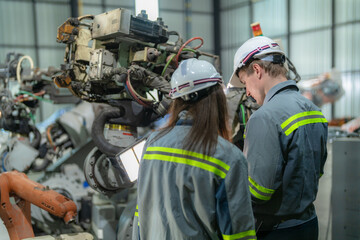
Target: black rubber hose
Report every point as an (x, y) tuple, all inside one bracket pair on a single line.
[(97, 131), (37, 139)]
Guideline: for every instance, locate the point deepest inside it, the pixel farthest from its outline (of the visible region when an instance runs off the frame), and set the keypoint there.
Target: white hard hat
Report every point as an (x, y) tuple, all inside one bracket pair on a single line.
[(256, 47), (191, 76)]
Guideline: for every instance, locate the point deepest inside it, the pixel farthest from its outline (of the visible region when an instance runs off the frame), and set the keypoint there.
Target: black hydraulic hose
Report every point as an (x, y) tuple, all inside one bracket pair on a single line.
[(37, 139), (97, 131)]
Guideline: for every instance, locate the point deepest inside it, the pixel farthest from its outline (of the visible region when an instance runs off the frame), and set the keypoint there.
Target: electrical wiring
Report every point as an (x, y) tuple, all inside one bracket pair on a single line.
[(33, 95), (243, 114), (48, 135), (18, 67), (139, 99), (184, 45), (172, 57), (22, 98)]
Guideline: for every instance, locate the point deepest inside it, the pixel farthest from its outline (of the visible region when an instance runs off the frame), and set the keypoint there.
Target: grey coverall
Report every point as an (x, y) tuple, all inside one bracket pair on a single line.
[(285, 147), (187, 195)]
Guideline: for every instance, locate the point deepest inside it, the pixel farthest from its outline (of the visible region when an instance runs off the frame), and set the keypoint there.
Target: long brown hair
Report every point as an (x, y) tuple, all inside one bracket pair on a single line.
[(209, 120)]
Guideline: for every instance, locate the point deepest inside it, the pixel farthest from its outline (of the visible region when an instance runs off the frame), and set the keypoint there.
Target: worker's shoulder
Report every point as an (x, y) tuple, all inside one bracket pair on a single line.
[(227, 151), (292, 101), (285, 105), (282, 106)]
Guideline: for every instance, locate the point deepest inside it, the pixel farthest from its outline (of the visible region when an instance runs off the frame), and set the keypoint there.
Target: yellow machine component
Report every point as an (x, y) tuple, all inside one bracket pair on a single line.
[(62, 81), (118, 127), (66, 31), (82, 52), (146, 55)]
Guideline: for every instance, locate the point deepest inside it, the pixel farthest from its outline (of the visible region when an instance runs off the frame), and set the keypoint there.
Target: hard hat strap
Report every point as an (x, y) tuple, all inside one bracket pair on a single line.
[(256, 51), (198, 95), (194, 83)]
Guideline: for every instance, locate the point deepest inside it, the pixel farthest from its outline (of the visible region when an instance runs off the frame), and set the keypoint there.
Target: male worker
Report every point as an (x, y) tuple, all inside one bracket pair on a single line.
[(285, 144)]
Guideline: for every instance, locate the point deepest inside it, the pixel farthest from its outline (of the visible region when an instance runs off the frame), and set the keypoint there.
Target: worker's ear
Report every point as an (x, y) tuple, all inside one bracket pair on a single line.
[(258, 70)]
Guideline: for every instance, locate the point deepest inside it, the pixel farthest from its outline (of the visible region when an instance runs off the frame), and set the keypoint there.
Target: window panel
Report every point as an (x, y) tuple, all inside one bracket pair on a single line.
[(171, 4), (51, 57), (283, 42), (120, 3), (84, 2), (49, 18), (175, 21), (202, 27), (349, 104), (309, 14), (346, 11), (16, 23), (17, 50), (227, 63), (311, 52), (347, 49), (272, 17), (230, 3), (235, 27), (90, 9), (202, 5)]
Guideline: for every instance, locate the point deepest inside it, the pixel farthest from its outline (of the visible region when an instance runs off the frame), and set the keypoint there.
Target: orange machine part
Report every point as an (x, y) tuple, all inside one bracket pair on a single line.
[(64, 32), (17, 217)]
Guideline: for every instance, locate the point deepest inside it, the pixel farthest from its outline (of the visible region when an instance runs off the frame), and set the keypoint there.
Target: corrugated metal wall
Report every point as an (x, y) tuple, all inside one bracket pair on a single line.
[(305, 28), (191, 18)]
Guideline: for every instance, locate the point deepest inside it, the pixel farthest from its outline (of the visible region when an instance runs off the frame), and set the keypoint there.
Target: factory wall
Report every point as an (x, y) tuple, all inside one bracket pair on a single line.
[(316, 35)]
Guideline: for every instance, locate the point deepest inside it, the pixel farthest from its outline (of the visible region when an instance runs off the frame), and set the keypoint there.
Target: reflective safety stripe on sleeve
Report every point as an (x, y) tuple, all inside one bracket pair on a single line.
[(137, 214), (194, 159), (137, 211), (301, 119), (251, 234), (259, 191)]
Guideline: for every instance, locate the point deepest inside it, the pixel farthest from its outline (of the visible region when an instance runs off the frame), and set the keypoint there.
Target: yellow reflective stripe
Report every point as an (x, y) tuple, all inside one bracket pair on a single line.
[(192, 154), (249, 233), (258, 195), (261, 188), (136, 211), (185, 161), (299, 115), (304, 122), (244, 136)]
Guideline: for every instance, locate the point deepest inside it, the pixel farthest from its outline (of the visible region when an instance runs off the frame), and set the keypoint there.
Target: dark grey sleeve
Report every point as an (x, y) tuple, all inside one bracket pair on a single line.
[(233, 201), (263, 153)]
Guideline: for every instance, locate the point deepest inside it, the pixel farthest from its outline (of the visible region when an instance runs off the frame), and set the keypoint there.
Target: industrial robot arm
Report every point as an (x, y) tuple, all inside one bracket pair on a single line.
[(17, 217)]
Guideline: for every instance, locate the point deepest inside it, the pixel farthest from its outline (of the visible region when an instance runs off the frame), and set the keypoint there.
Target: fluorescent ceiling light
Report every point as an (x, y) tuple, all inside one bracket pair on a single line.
[(151, 7)]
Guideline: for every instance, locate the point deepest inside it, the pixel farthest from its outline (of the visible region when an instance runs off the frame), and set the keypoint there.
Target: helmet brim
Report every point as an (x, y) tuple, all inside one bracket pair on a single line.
[(235, 81)]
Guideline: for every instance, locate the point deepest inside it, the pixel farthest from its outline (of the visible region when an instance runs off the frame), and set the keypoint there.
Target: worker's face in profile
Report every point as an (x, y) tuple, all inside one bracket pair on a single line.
[(253, 86)]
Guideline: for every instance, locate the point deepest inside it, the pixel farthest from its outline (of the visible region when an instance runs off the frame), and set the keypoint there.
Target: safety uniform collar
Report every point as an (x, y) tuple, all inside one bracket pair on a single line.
[(278, 88)]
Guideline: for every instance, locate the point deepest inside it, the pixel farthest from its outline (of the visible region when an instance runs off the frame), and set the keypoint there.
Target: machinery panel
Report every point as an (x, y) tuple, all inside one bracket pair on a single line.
[(111, 24), (345, 194)]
